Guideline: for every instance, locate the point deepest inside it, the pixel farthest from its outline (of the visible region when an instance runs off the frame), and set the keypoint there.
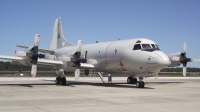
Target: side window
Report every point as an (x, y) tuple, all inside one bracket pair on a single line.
[(153, 46), (137, 47), (157, 47)]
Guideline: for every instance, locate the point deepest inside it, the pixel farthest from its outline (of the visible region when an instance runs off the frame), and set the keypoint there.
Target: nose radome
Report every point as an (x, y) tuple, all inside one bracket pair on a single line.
[(163, 58), (164, 62)]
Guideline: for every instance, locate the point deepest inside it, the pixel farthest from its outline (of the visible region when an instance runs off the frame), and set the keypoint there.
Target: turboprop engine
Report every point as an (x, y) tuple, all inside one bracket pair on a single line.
[(32, 53)]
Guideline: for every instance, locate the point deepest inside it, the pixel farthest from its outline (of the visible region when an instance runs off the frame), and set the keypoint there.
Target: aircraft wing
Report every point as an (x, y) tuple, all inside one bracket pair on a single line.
[(49, 62), (59, 63), (11, 58), (45, 62), (39, 49)]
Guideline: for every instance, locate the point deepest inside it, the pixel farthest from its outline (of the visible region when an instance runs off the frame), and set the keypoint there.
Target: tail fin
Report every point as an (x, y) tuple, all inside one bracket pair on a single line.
[(58, 40)]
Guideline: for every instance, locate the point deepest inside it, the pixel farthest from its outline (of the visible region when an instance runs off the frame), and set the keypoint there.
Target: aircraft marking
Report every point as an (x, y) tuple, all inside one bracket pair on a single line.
[(105, 56)]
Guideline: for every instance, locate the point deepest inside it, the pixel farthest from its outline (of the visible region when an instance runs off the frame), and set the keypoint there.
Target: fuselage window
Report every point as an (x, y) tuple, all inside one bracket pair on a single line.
[(153, 46), (146, 46), (137, 47)]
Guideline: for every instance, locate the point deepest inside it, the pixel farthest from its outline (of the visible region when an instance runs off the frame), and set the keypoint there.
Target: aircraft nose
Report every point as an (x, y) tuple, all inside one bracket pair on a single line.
[(163, 59)]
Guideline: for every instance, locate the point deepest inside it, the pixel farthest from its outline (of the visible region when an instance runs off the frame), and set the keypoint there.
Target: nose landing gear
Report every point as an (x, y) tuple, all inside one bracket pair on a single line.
[(60, 81), (132, 80), (140, 83)]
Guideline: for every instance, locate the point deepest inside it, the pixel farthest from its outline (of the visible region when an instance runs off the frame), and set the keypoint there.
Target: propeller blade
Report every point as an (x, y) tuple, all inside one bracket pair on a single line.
[(85, 55), (33, 70), (175, 58), (185, 47), (184, 71), (193, 60), (79, 46), (37, 40), (20, 53), (77, 74)]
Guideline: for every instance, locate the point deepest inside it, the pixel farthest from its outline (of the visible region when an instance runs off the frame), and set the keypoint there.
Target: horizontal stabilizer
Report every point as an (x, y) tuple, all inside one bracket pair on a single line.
[(39, 49)]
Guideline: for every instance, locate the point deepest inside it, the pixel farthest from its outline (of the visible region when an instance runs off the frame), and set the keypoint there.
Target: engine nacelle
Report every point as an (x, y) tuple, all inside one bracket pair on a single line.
[(51, 57), (64, 58)]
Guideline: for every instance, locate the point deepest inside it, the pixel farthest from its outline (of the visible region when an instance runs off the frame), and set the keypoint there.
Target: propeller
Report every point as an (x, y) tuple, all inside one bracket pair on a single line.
[(34, 55), (76, 59), (183, 59)]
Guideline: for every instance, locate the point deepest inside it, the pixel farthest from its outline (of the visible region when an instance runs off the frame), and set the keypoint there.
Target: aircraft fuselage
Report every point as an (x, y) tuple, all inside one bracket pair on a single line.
[(120, 56)]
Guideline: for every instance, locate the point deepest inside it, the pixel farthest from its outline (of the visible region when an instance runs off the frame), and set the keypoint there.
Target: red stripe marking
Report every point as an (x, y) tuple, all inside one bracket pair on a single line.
[(105, 56)]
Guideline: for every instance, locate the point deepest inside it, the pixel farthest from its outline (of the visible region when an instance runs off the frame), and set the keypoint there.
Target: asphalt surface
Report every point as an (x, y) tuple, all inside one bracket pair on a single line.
[(91, 95)]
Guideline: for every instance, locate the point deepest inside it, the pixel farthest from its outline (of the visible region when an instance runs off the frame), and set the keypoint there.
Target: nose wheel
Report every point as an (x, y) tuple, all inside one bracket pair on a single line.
[(60, 81), (140, 83)]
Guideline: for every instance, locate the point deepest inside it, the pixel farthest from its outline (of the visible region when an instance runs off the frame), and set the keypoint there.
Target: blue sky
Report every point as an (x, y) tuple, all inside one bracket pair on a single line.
[(169, 23)]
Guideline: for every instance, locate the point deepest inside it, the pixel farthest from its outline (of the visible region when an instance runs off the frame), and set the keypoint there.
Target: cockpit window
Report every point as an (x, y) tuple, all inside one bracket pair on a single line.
[(153, 46), (137, 47), (146, 46), (157, 47)]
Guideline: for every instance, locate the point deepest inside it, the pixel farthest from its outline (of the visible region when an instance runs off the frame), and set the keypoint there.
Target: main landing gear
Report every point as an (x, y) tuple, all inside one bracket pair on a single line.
[(132, 80), (60, 81)]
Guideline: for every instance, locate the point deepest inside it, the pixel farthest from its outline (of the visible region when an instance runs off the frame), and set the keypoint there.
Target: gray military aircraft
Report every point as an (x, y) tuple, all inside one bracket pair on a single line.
[(137, 57)]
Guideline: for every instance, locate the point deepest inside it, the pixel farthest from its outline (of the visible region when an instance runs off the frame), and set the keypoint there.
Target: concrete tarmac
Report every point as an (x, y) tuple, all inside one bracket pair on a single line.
[(91, 95)]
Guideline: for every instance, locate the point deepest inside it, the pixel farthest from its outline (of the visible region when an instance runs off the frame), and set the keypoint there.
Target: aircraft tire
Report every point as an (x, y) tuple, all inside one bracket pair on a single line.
[(57, 81), (129, 80), (63, 81), (138, 84), (134, 81), (142, 84)]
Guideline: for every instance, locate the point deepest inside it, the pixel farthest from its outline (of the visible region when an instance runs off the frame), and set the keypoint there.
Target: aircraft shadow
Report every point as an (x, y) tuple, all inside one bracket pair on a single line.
[(74, 83), (100, 84)]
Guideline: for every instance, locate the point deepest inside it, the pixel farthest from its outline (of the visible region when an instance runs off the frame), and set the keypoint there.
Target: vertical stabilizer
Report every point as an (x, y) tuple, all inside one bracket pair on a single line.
[(58, 40)]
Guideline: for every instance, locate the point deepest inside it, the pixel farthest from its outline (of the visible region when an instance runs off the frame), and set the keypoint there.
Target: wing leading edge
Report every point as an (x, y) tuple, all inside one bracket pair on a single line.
[(45, 62)]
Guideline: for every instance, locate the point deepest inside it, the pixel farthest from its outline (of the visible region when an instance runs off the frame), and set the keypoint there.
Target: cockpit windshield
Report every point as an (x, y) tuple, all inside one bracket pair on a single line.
[(157, 47), (137, 47), (153, 46), (146, 46)]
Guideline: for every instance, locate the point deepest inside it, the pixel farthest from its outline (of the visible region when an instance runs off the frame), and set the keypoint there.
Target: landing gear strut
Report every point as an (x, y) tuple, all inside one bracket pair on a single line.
[(140, 83), (131, 80), (60, 81)]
